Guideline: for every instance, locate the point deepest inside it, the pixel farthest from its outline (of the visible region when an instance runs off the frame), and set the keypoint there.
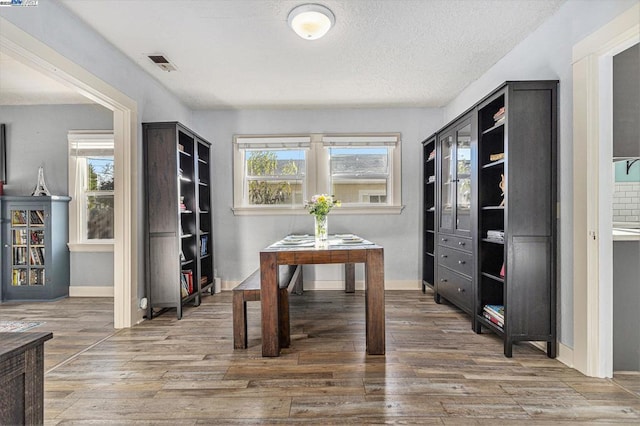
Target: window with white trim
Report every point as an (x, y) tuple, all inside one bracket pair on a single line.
[(91, 186), (275, 174)]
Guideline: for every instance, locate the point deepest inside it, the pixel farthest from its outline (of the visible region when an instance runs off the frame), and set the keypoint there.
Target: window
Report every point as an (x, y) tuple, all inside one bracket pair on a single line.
[(276, 174), (91, 186)]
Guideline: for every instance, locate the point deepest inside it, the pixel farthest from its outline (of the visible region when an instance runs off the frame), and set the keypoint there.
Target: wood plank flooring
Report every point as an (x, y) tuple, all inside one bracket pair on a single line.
[(436, 370)]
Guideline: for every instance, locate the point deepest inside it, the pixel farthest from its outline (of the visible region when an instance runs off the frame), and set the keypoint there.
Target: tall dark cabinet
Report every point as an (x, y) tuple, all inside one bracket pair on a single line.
[(35, 256), (517, 221), (496, 213), (178, 226), (455, 213), (429, 212)]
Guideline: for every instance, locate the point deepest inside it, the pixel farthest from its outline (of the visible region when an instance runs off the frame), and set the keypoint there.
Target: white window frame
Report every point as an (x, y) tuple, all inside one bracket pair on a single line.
[(317, 178), (86, 139)]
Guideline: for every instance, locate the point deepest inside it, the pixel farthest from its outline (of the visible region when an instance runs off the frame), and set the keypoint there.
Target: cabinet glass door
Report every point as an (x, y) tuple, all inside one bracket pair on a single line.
[(463, 179), (447, 182), (27, 248)]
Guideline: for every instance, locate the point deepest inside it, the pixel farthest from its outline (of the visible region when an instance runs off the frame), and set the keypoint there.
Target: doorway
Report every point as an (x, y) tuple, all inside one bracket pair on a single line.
[(592, 188), (32, 52)]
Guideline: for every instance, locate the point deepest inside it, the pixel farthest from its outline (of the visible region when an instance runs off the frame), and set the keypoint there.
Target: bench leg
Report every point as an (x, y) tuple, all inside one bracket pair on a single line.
[(284, 324), (239, 321)]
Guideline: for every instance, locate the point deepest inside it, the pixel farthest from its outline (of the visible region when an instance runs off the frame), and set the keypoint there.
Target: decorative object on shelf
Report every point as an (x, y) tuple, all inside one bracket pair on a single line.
[(498, 117), (41, 187), (501, 185), (319, 206), (496, 157)]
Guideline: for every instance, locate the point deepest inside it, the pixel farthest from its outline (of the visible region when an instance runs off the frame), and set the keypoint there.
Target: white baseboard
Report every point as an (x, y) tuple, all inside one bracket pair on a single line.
[(90, 291), (339, 285)]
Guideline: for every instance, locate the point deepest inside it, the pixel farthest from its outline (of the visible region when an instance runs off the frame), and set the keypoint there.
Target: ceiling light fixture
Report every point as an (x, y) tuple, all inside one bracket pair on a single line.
[(311, 21)]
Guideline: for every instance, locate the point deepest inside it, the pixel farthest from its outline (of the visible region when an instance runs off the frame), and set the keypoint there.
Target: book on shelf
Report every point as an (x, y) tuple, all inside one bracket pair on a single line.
[(432, 155), (184, 286), (495, 310), (502, 270), (18, 217), (499, 115), (493, 320), (204, 247), (431, 179), (204, 280), (495, 235), (187, 276)]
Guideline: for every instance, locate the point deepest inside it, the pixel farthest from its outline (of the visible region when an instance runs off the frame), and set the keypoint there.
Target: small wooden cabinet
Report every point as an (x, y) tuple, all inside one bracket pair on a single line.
[(35, 256), (179, 223)]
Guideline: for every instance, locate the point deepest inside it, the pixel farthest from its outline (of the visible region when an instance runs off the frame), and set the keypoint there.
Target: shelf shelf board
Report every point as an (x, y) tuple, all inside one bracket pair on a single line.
[(186, 262), (493, 277), (186, 235), (185, 153), (185, 179), (430, 231), (200, 160), (493, 208), (494, 128), (493, 327), (203, 211), (205, 256), (203, 184), (493, 164), (492, 241), (429, 254), (186, 211)]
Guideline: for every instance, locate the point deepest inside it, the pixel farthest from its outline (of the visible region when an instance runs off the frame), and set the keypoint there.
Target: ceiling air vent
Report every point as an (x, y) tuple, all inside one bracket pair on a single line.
[(162, 62)]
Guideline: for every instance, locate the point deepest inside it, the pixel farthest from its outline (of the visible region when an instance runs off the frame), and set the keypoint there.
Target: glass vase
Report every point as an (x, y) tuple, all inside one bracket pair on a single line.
[(321, 232)]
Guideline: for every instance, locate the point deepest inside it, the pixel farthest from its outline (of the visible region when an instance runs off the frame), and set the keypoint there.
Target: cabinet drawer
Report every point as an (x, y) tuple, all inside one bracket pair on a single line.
[(457, 260), (454, 241), (455, 288)]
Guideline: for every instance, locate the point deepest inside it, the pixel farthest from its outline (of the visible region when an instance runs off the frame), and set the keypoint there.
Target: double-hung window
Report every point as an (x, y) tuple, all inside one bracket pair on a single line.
[(276, 174), (361, 169), (91, 186)]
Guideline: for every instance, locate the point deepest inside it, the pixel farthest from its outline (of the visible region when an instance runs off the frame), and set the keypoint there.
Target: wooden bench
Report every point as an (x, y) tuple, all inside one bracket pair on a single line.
[(249, 291)]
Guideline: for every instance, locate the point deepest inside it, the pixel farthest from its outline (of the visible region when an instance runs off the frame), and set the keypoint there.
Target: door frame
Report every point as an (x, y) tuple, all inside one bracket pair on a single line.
[(34, 53), (592, 192)]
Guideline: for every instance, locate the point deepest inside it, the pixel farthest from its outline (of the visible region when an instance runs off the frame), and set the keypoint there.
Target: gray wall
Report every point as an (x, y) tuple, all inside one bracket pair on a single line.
[(626, 299), (547, 54), (37, 135), (239, 238), (626, 103)]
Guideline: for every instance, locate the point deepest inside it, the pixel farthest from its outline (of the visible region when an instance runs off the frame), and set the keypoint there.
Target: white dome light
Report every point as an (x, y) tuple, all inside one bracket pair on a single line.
[(311, 21)]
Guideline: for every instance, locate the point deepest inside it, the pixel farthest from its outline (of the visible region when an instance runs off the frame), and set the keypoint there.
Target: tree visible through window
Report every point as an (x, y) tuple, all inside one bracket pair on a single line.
[(99, 198), (274, 176)]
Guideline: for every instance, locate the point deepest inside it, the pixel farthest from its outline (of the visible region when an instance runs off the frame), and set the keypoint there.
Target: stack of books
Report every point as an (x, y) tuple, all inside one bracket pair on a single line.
[(498, 117), (494, 313), (432, 155), (495, 235)]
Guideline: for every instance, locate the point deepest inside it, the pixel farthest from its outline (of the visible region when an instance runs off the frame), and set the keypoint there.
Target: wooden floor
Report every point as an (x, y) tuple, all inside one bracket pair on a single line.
[(436, 370)]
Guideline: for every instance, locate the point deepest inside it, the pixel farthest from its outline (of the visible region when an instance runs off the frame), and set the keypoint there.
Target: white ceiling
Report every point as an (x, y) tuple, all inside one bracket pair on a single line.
[(242, 54)]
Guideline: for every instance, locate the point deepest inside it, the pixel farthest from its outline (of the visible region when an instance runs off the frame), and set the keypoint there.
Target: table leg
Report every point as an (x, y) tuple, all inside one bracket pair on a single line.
[(374, 302), (349, 277), (269, 302)]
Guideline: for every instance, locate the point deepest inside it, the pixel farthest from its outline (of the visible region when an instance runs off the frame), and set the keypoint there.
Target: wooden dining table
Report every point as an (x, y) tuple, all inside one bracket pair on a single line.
[(371, 255)]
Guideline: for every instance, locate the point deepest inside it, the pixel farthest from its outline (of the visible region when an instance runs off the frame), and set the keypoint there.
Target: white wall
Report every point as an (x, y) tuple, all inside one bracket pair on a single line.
[(238, 239), (547, 54)]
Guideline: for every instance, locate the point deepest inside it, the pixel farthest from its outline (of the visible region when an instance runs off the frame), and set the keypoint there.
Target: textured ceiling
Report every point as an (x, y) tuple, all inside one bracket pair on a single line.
[(242, 54)]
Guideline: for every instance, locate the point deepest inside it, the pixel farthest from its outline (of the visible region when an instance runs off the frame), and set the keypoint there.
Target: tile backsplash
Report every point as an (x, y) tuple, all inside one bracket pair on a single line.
[(626, 202)]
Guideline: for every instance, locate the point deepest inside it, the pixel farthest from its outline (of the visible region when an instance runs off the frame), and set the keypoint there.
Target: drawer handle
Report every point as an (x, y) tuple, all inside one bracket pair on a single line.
[(461, 262), (460, 290), (444, 240), (443, 280), (461, 243), (444, 256)]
